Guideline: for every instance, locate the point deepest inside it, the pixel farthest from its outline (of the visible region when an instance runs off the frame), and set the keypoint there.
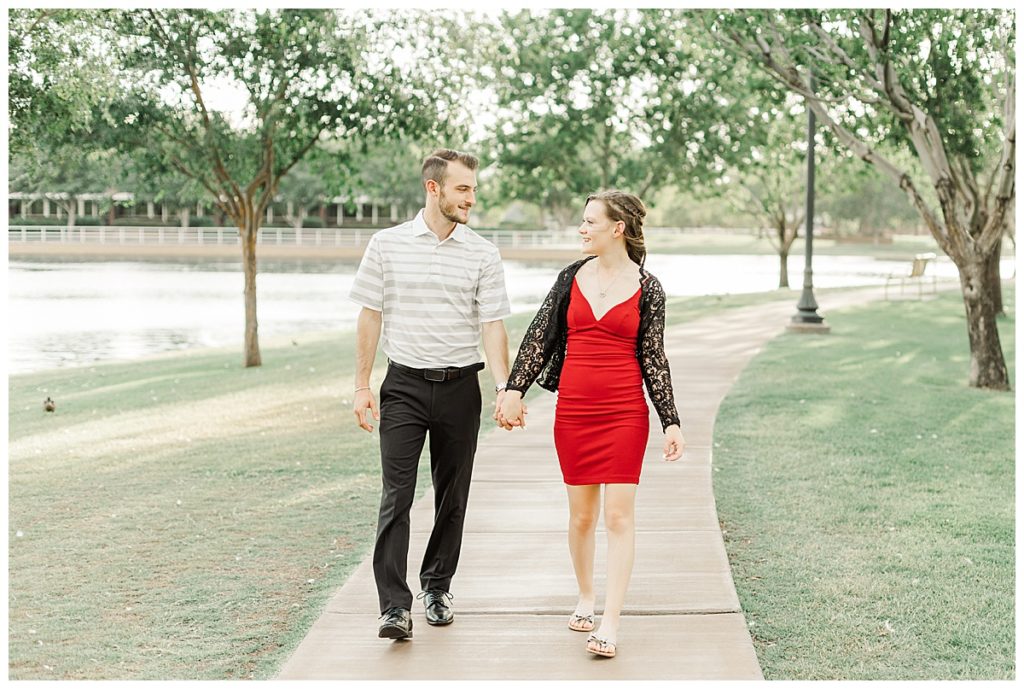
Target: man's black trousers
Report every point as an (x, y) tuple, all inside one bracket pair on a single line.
[(412, 407)]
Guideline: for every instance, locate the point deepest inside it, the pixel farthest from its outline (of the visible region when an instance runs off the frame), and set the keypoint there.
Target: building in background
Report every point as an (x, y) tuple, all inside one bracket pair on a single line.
[(122, 208)]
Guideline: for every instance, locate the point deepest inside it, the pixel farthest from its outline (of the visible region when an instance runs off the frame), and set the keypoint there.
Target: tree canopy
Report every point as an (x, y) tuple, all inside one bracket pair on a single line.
[(942, 83), (59, 77), (590, 100)]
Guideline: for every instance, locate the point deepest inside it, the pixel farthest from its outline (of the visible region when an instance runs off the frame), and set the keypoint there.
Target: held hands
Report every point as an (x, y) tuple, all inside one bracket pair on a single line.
[(364, 399), (509, 410), (498, 418), (674, 443)]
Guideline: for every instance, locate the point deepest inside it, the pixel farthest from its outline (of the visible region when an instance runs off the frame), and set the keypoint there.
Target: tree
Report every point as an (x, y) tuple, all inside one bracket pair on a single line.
[(166, 187), (59, 85), (771, 169), (993, 266), (591, 100), (861, 196), (941, 82), (775, 197), (65, 174), (58, 80), (307, 75), (389, 170), (304, 187)]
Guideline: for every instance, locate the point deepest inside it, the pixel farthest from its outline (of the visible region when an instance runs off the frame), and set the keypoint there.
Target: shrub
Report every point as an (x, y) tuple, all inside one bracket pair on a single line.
[(54, 221), (136, 221), (50, 221)]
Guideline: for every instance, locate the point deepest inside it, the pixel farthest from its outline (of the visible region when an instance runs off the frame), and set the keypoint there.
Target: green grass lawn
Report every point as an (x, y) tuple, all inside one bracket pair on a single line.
[(902, 248), (185, 518), (867, 499), (176, 517)]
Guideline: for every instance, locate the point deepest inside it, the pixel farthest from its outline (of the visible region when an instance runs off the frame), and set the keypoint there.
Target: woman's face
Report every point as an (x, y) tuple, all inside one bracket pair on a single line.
[(599, 232)]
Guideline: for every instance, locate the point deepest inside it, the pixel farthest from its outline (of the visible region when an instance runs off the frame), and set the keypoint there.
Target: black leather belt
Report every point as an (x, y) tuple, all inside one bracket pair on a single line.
[(439, 375)]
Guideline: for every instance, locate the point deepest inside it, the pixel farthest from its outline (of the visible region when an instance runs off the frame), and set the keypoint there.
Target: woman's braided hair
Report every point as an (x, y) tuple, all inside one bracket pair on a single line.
[(620, 205)]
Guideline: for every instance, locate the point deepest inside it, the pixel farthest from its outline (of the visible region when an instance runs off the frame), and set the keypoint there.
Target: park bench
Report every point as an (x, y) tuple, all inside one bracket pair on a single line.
[(916, 276)]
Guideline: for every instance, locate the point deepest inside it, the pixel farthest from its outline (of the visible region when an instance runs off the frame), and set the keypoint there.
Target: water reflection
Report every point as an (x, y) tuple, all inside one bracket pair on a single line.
[(73, 313), (58, 349)]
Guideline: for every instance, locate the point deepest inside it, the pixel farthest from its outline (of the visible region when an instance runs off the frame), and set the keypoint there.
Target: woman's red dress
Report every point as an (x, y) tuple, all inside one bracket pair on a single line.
[(601, 416)]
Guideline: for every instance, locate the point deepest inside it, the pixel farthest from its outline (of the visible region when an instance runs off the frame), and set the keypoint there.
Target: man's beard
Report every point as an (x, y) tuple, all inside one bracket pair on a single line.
[(448, 210)]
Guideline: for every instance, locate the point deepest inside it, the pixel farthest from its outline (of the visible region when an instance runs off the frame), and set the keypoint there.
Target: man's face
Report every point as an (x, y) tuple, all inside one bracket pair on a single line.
[(458, 193)]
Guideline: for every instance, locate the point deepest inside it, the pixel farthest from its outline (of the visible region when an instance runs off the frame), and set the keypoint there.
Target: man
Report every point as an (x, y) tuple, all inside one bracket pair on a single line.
[(434, 287)]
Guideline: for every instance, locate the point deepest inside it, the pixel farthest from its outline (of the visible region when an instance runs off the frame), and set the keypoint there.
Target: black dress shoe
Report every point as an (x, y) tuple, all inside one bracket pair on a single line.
[(438, 605), (396, 624)]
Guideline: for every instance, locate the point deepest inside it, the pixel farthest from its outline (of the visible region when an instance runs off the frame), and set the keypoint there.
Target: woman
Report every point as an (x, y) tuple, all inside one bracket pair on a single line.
[(598, 333)]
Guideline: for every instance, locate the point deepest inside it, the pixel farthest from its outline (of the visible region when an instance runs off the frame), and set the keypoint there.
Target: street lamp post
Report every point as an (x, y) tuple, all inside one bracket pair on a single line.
[(806, 318)]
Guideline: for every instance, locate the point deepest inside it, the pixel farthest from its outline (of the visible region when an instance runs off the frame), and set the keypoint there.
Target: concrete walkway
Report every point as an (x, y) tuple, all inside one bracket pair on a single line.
[(515, 586)]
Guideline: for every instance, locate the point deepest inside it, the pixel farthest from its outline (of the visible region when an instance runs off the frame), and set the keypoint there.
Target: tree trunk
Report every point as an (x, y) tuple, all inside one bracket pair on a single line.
[(988, 366), (252, 343), (72, 209), (562, 216), (184, 212), (783, 258), (783, 268), (1013, 242), (995, 283)]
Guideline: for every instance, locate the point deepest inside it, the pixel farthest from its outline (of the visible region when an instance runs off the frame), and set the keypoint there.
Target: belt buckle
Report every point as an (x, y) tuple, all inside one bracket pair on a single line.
[(427, 374)]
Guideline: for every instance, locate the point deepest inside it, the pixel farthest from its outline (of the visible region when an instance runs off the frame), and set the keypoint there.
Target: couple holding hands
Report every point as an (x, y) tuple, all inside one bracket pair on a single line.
[(431, 289)]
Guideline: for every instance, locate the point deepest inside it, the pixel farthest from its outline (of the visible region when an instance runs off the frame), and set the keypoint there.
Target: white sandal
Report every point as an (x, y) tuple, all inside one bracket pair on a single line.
[(605, 648), (581, 623)]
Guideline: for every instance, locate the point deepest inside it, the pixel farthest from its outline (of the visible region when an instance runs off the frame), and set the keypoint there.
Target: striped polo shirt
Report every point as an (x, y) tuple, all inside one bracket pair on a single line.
[(433, 294)]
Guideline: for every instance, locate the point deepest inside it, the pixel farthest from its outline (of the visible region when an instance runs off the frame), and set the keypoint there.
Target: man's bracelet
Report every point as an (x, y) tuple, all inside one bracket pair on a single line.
[(366, 388)]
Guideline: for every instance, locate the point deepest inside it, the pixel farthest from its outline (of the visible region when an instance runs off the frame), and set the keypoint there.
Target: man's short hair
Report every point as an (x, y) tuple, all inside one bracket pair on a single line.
[(435, 165)]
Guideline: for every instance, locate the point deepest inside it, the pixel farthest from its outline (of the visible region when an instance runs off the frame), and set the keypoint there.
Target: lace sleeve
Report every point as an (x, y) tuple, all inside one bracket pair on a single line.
[(534, 350), (654, 362)]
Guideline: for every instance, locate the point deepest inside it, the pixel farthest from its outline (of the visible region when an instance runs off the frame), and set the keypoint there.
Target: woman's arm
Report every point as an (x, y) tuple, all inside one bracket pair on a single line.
[(533, 353), (654, 362)]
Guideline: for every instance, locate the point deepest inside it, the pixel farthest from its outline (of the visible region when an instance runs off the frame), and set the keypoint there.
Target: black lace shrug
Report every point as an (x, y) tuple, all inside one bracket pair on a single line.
[(542, 352)]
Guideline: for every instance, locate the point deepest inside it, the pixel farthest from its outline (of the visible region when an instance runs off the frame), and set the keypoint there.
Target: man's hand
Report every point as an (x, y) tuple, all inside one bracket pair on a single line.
[(497, 416), (368, 327), (364, 399)]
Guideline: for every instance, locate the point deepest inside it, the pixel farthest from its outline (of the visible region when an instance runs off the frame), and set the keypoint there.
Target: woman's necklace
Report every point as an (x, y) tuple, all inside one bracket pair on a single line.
[(597, 276)]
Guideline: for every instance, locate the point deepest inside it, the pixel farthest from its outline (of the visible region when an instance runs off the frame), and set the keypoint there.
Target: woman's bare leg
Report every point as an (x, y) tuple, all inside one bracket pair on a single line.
[(619, 499), (584, 508)]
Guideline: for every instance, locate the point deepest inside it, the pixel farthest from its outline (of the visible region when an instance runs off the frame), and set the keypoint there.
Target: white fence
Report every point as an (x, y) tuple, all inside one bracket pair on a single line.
[(277, 236)]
